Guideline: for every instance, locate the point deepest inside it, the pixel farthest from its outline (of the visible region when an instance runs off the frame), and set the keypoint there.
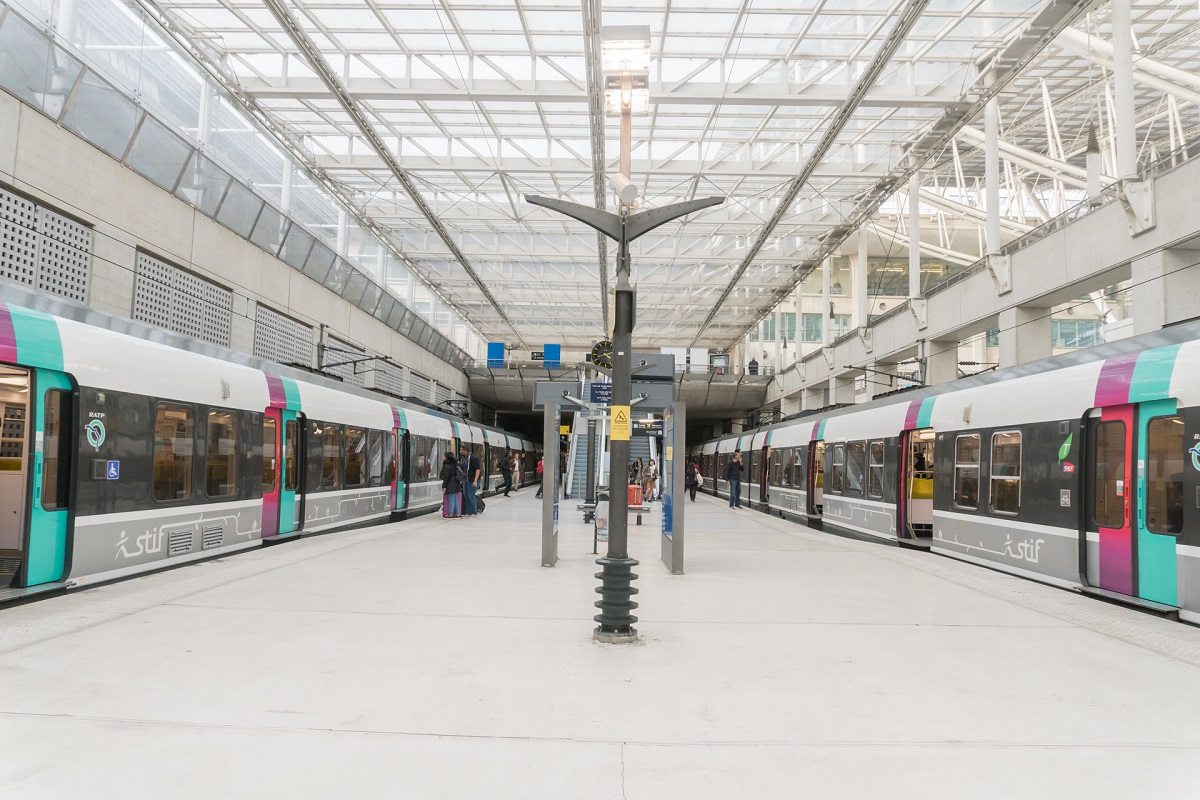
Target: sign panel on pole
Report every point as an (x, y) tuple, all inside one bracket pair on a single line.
[(553, 354), (648, 427), (495, 355), (536, 355), (601, 393), (620, 424)]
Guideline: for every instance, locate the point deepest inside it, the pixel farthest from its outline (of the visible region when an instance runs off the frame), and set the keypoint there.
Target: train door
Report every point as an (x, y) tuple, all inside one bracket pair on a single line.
[(816, 479), (292, 451), (35, 474), (764, 474), (402, 469), (1136, 460), (915, 496)]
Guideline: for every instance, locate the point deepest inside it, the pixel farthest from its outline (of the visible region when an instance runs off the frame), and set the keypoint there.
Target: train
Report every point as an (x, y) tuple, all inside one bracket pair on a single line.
[(1081, 470), (125, 450)]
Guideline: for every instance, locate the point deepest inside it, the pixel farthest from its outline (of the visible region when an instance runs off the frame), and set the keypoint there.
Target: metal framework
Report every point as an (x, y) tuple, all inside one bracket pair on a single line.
[(433, 117)]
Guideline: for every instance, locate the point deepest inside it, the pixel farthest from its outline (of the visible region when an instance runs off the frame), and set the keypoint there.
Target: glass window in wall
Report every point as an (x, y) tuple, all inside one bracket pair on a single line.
[(1165, 451), (158, 154), (812, 327), (220, 464), (173, 449), (1005, 494), (356, 445), (768, 328), (787, 326), (875, 471), (966, 471), (841, 325), (101, 114), (32, 68)]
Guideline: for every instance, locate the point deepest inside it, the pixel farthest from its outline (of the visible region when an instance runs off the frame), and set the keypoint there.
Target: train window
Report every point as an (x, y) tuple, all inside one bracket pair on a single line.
[(1109, 511), (1005, 494), (356, 456), (291, 431), (56, 473), (270, 435), (856, 467), (966, 471), (389, 458), (220, 463), (798, 467), (374, 458), (1164, 475), (173, 448), (331, 457), (875, 471), (837, 469), (314, 456)]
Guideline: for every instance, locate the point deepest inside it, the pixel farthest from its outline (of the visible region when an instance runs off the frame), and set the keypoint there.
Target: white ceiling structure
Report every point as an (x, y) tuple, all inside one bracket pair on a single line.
[(436, 116)]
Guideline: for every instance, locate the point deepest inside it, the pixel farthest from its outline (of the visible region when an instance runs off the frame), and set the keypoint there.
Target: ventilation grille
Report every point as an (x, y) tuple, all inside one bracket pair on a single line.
[(338, 352), (442, 393), (169, 297), (418, 386), (179, 542), (281, 339), (389, 377), (211, 536), (43, 250)]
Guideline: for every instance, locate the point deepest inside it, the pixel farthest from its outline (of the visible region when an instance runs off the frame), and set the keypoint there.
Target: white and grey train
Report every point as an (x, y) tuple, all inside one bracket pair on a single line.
[(120, 455), (1080, 470)]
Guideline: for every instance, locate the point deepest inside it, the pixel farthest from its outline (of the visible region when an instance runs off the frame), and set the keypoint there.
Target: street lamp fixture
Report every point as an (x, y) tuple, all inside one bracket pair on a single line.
[(625, 57)]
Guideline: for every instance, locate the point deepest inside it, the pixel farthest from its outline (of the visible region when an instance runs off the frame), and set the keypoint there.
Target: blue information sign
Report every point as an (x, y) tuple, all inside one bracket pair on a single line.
[(602, 393), (553, 354)]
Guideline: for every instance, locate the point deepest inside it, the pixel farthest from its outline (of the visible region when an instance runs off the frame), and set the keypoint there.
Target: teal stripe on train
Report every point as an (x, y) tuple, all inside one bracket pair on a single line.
[(38, 341)]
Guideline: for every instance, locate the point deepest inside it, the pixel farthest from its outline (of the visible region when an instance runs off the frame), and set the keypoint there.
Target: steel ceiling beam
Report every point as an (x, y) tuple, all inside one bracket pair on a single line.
[(904, 24), (316, 61), (1005, 66), (591, 10)]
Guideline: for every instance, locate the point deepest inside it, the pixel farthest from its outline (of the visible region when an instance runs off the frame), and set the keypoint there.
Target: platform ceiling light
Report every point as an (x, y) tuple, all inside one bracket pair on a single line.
[(625, 60)]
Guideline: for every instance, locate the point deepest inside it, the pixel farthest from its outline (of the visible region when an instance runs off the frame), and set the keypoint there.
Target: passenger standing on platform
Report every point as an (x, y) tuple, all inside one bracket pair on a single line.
[(733, 474), (649, 481), (635, 472), (691, 481), (470, 474), (506, 470), (451, 488), (541, 469)]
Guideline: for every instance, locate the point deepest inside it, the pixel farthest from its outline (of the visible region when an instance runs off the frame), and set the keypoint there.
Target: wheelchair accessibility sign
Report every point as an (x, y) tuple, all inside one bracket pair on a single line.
[(114, 470)]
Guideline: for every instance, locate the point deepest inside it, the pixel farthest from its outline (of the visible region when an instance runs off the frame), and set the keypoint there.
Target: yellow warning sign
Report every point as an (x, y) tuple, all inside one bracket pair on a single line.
[(620, 423), (564, 430)]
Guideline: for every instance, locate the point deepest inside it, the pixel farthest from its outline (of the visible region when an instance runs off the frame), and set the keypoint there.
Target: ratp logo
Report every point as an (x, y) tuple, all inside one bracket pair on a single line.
[(1194, 452), (96, 433)]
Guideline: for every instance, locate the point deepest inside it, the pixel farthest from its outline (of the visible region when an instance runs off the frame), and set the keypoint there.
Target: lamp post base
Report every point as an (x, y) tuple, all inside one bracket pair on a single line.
[(615, 622)]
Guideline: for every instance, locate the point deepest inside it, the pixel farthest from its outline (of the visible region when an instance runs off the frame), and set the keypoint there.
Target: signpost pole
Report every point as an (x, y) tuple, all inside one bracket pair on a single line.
[(550, 419)]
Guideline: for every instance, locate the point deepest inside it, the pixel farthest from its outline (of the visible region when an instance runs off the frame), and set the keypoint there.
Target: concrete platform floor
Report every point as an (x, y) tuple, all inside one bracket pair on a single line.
[(436, 659)]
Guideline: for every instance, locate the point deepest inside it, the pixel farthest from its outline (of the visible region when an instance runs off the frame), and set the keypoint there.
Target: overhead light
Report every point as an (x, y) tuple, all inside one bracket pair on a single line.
[(625, 48), (637, 97)]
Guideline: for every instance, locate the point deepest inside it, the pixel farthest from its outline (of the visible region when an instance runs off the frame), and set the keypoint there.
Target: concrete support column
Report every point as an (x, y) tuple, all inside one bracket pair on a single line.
[(1166, 289), (858, 283), (914, 235), (826, 322), (841, 388), (1125, 130), (1024, 335), (991, 174), (1095, 166), (941, 361)]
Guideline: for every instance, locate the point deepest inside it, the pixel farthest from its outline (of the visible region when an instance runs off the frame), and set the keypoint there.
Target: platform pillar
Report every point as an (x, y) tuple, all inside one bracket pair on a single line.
[(1166, 289), (1024, 335)]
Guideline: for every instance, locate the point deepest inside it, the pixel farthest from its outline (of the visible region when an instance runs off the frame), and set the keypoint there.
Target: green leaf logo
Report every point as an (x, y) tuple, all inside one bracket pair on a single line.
[(1064, 449)]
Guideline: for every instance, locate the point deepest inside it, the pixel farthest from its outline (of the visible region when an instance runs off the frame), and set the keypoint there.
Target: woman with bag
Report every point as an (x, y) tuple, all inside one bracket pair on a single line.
[(691, 481), (451, 488)]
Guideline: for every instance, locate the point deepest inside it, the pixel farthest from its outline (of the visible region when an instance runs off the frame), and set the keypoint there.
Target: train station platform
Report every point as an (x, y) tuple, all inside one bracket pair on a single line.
[(437, 659)]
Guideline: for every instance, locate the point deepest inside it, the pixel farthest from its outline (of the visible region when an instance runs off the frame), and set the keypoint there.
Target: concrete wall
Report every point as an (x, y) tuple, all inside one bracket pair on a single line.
[(127, 211)]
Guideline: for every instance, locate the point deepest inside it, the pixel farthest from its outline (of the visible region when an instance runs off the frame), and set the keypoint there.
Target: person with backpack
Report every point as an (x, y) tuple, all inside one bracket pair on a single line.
[(451, 488), (506, 472), (649, 481), (541, 470), (691, 481), (468, 468)]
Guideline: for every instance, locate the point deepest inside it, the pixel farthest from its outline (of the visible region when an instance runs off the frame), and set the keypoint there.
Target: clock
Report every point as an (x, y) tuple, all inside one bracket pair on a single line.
[(602, 354)]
